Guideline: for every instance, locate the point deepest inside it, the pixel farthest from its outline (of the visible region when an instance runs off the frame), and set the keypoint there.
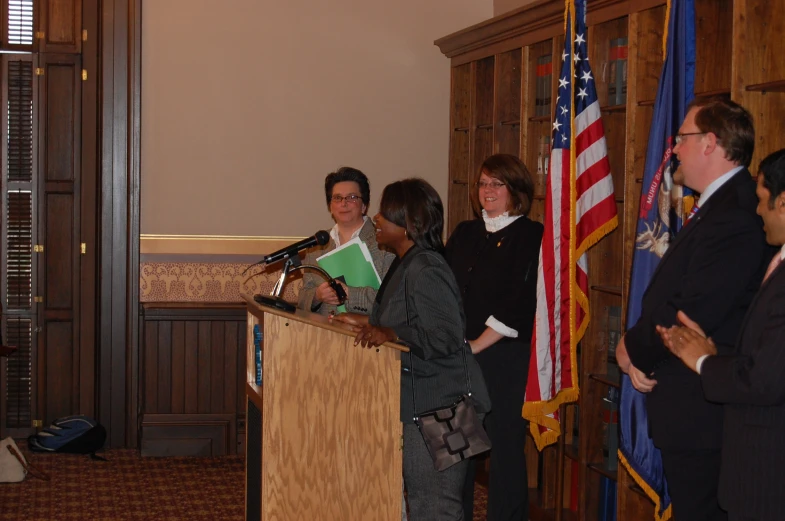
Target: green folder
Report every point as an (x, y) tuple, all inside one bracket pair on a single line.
[(351, 263)]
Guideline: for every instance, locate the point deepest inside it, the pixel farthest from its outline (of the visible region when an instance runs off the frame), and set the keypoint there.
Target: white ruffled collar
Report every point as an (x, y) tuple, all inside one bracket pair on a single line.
[(494, 224)]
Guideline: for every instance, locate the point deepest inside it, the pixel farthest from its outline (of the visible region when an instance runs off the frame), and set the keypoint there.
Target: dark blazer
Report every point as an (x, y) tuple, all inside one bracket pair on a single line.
[(751, 384), (497, 274), (711, 271), (360, 299), (424, 288)]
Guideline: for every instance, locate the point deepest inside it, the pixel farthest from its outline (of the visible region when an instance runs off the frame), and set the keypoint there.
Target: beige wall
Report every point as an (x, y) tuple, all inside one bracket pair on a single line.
[(248, 104), (503, 6)]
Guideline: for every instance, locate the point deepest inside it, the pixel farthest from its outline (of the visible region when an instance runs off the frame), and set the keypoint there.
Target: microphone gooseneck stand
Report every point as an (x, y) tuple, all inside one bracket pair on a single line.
[(292, 264)]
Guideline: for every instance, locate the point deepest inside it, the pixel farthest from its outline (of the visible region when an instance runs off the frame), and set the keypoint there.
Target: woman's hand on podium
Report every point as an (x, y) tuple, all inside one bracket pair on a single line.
[(374, 336)]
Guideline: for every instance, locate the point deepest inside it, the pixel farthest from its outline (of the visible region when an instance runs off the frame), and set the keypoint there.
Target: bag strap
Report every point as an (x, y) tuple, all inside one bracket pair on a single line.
[(33, 471), (411, 357)]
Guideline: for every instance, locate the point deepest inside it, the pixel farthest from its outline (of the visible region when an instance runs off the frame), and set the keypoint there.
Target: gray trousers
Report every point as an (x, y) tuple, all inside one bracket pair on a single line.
[(432, 495)]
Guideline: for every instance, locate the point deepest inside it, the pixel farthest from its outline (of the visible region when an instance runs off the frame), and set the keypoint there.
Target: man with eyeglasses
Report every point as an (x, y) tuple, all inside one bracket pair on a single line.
[(711, 271)]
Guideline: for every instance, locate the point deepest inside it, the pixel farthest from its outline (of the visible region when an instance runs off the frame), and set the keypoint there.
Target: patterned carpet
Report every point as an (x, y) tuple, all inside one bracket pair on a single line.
[(129, 487)]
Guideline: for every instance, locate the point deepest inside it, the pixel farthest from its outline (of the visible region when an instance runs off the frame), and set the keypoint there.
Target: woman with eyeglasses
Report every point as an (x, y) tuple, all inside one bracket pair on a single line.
[(419, 305), (348, 194), (495, 260)]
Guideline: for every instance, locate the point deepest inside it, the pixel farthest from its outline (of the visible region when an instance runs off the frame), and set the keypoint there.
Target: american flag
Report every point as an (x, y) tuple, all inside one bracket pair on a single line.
[(580, 209)]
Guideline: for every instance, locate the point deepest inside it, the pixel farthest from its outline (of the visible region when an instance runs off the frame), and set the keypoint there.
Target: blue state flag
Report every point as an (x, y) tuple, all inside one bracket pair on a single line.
[(661, 213)]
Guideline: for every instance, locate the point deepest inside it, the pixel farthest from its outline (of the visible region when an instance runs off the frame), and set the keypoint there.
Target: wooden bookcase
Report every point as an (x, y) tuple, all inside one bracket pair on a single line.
[(493, 82)]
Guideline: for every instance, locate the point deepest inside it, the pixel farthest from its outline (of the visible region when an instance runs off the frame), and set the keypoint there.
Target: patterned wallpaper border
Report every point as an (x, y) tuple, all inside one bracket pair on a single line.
[(190, 268), (208, 282)]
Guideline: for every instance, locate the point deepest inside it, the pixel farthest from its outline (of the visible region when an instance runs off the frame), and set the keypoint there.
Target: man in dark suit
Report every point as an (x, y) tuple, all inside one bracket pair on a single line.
[(751, 381), (711, 270)]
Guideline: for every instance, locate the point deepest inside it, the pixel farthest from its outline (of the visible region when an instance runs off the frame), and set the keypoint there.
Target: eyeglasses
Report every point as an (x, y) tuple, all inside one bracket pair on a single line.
[(495, 185), (679, 138), (350, 199)]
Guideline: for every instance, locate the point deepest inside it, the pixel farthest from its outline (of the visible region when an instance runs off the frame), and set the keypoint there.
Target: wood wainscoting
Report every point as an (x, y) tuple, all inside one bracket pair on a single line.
[(192, 378)]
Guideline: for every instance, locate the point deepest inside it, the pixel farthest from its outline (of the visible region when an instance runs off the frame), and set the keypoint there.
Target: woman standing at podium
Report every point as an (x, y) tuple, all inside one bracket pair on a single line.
[(495, 260), (348, 195), (419, 305)]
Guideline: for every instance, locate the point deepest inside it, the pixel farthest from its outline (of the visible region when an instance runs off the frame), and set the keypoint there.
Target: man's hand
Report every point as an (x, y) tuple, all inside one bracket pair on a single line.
[(688, 342), (682, 317), (639, 380)]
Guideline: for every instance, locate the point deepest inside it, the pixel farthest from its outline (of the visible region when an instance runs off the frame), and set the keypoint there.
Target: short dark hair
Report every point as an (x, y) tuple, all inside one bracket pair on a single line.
[(772, 168), (731, 123), (511, 171), (414, 205), (347, 173)]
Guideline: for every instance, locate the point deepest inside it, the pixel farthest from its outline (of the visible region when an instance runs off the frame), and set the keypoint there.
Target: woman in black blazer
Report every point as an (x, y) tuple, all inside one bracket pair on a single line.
[(419, 305), (495, 259)]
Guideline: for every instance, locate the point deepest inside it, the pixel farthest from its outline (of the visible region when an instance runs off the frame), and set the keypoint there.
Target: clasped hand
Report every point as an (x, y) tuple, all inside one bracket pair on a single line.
[(638, 378), (687, 341)]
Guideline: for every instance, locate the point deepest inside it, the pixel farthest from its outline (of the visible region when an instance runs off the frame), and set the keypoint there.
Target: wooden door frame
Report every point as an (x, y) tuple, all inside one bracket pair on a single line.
[(112, 128)]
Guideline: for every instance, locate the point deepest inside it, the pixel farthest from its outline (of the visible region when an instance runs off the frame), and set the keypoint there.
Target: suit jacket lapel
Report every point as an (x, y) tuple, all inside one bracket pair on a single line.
[(693, 223), (776, 277), (397, 278)]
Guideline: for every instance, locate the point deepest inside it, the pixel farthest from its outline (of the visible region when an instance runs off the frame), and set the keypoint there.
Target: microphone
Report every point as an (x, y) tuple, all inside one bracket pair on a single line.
[(321, 238)]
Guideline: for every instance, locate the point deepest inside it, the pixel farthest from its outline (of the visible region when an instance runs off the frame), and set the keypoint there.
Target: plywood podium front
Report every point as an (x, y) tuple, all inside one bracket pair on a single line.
[(323, 431)]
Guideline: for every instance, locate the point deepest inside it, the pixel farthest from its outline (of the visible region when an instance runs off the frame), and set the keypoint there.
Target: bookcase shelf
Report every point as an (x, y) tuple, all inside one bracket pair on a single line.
[(495, 83), (614, 108), (771, 86), (606, 379), (611, 290), (637, 490), (712, 93), (600, 468)]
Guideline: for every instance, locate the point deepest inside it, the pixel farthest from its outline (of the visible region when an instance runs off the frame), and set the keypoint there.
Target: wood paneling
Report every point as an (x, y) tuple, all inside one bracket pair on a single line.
[(118, 109), (60, 232), (189, 435), (507, 116), (757, 37), (61, 25), (458, 206), (59, 265), (713, 25), (193, 369), (646, 53)]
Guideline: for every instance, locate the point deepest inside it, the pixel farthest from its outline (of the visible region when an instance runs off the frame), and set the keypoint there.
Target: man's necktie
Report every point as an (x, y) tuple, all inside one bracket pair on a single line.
[(693, 211), (772, 265)]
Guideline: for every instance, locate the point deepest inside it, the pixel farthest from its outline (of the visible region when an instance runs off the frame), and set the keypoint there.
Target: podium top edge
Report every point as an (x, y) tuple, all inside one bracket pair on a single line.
[(313, 319)]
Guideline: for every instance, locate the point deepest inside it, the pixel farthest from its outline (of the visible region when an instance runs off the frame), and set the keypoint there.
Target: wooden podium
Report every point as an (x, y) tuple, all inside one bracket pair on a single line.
[(323, 432)]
